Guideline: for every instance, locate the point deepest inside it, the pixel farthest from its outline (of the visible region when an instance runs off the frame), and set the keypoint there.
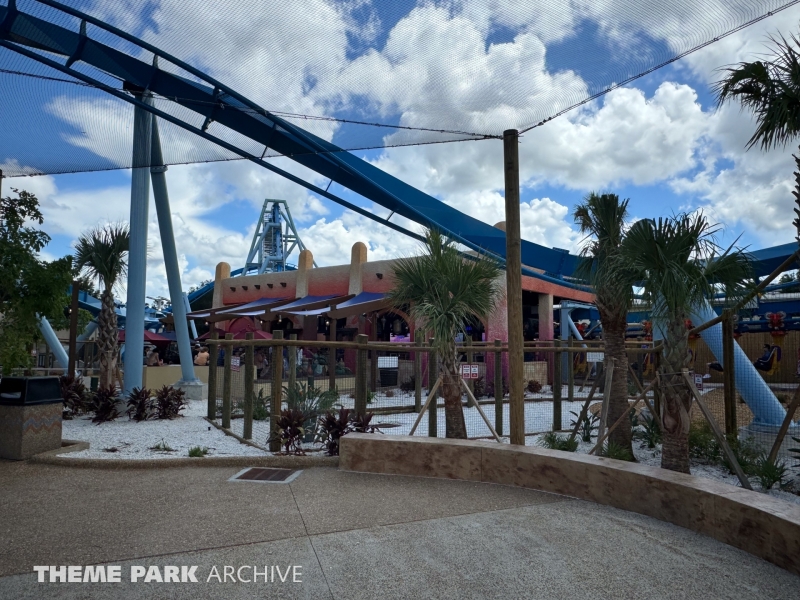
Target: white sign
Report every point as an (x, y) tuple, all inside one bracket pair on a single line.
[(388, 362), (594, 357), (698, 382), (469, 371), (235, 363)]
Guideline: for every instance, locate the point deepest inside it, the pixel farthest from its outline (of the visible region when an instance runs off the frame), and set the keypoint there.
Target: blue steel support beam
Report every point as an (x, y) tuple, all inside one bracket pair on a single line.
[(161, 196), (137, 256), (52, 342)]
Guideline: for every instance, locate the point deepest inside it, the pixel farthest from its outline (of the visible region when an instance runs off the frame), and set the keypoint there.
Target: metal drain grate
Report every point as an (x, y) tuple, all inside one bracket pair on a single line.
[(266, 475)]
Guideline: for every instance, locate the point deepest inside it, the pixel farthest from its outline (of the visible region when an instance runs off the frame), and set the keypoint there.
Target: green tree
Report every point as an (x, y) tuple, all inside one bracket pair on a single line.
[(601, 217), (770, 89), (29, 288), (444, 290), (102, 253), (680, 266)]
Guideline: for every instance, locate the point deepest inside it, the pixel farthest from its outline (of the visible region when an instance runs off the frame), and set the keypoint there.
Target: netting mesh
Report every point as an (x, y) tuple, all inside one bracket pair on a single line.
[(359, 74)]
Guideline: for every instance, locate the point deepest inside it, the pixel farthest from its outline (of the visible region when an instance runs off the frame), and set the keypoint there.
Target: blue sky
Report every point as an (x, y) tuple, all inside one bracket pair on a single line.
[(659, 141)]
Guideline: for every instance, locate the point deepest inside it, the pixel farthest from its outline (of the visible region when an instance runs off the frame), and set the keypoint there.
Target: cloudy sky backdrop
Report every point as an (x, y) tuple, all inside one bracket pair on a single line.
[(659, 141)]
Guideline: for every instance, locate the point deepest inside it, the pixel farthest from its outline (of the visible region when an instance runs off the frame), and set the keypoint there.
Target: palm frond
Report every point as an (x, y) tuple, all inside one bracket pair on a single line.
[(102, 253)]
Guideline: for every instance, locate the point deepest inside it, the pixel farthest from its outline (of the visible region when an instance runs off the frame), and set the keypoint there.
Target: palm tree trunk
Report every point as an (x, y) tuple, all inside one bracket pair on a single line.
[(455, 426), (614, 338), (107, 339), (677, 399)]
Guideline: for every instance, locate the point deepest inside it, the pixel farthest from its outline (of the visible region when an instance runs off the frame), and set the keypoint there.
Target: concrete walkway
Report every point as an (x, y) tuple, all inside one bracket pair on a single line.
[(354, 536)]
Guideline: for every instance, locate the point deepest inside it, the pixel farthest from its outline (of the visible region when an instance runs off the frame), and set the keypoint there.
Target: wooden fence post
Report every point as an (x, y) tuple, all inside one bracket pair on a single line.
[(276, 400), (470, 359), (249, 379), (213, 351), (332, 356), (433, 375), (226, 383), (291, 353), (570, 371), (361, 375), (373, 356), (498, 388), (418, 340), (557, 380)]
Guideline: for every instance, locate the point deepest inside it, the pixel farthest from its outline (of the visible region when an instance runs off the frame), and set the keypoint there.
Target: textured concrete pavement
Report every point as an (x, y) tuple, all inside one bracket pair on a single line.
[(354, 536)]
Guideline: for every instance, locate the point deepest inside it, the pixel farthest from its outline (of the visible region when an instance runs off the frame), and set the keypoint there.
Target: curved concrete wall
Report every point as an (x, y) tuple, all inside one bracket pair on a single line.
[(756, 523)]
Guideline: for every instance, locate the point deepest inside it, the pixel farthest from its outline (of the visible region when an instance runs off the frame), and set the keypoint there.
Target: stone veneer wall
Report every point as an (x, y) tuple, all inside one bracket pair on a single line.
[(754, 522), (28, 430)]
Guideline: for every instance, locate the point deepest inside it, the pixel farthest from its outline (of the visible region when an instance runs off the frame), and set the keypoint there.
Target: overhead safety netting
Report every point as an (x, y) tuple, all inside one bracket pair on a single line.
[(358, 74)]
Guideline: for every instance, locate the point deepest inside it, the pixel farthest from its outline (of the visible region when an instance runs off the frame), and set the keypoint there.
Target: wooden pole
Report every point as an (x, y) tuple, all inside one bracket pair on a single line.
[(213, 350), (557, 377), (431, 397), (433, 375), (729, 375), (570, 372), (418, 340), (292, 356), (249, 379), (361, 376), (226, 384), (373, 355), (498, 388), (73, 328), (477, 405), (332, 356), (276, 400), (717, 432), (608, 365), (470, 358), (514, 288)]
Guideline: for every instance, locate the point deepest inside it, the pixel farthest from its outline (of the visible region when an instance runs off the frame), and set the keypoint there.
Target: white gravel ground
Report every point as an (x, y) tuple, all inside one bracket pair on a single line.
[(134, 440)]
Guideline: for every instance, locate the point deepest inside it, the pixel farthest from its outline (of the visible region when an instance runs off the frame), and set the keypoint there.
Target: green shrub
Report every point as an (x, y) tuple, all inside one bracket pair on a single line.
[(555, 441), (76, 398), (260, 407), (533, 386), (588, 425), (617, 452), (198, 451), (769, 472), (309, 399), (104, 405), (169, 401), (703, 444), (651, 432), (746, 452), (162, 446), (141, 405), (479, 387), (409, 385)]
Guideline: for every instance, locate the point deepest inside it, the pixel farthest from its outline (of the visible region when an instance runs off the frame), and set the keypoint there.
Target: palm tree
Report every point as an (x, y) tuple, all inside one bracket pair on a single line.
[(680, 266), (771, 90), (444, 290), (102, 252), (602, 219)]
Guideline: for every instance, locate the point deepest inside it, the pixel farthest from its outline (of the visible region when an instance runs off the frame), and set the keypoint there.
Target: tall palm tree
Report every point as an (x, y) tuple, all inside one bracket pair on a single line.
[(102, 253), (771, 90), (680, 265), (602, 219), (444, 290)]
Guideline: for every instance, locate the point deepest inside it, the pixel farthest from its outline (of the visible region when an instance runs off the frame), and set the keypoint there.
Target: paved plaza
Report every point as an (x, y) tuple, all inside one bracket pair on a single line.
[(353, 536)]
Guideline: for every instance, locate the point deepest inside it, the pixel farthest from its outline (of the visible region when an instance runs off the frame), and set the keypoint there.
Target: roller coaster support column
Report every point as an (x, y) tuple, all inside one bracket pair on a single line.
[(514, 287), (158, 173), (137, 256)]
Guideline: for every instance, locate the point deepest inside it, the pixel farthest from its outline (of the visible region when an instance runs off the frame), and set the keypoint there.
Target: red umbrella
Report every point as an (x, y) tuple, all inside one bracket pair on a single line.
[(149, 336)]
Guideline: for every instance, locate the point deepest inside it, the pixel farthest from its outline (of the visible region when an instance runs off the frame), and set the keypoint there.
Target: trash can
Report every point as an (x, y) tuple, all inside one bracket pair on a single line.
[(30, 416)]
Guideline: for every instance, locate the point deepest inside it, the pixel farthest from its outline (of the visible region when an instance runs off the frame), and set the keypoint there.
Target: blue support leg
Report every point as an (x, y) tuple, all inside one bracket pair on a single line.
[(161, 195), (137, 256)]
